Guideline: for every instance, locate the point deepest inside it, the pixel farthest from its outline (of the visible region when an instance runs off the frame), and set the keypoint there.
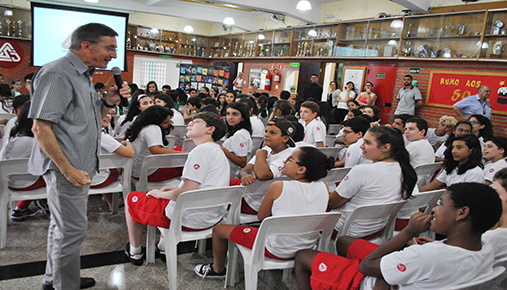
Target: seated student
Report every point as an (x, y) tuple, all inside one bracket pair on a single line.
[(497, 235), (481, 127), (206, 167), (437, 136), (419, 148), (374, 112), (399, 123), (281, 108), (194, 104), (390, 178), (367, 97), (151, 86), (166, 88), (147, 134), (462, 163), (299, 132), (464, 213), (304, 167), (258, 128), (166, 100), (109, 145), (192, 92), (238, 142), (20, 146), (17, 103), (338, 141), (268, 161), (462, 127), (353, 133), (140, 102), (495, 151), (315, 130)]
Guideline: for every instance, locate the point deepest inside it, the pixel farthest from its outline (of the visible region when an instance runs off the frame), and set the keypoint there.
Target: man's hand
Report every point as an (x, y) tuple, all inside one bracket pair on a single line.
[(113, 94), (77, 177), (418, 223)]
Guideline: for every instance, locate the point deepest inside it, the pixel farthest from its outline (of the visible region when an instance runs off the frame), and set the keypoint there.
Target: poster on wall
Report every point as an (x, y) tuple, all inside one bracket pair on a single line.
[(355, 75), (448, 87), (198, 76)]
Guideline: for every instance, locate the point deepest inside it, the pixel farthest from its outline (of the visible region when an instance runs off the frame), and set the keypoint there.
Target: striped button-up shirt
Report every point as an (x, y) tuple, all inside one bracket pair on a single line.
[(63, 93)]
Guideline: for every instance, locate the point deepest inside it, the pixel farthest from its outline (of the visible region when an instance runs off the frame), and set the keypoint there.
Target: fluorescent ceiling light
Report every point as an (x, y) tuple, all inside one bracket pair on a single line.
[(304, 5), (228, 21), (188, 29)]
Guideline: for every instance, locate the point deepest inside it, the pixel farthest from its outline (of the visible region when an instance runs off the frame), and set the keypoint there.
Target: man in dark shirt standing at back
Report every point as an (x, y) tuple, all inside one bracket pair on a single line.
[(313, 90)]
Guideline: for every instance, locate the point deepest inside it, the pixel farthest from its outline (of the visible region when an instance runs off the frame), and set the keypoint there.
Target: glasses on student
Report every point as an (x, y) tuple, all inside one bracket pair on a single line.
[(474, 122), (197, 121), (345, 132), (290, 159)]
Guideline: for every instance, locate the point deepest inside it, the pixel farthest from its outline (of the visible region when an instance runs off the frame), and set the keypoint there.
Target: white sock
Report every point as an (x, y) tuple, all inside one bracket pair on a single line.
[(161, 245), (135, 250)]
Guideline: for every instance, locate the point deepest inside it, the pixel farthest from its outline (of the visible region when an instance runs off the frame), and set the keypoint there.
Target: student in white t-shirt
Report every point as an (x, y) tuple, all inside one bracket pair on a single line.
[(462, 127), (390, 178), (17, 103), (464, 213), (315, 130), (238, 142), (147, 134), (206, 167), (462, 163), (167, 101), (353, 132), (497, 235), (140, 102), (419, 149), (109, 145), (437, 136), (303, 194), (494, 152)]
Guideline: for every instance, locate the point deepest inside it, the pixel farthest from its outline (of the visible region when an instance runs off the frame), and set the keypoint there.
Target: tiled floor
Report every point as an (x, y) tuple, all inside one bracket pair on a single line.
[(22, 261)]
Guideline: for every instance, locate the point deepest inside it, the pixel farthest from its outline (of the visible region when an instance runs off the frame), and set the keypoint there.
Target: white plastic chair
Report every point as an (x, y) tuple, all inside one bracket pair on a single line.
[(10, 167), (172, 141), (201, 198), (179, 131), (501, 281), (254, 259), (483, 282), (159, 161), (256, 144), (334, 129), (425, 172), (123, 185), (335, 175), (6, 116), (386, 212), (259, 187), (330, 140), (188, 144), (330, 151)]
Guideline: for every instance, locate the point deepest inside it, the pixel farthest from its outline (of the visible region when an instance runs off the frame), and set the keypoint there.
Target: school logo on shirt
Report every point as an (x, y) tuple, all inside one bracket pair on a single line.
[(197, 166), (491, 170), (401, 267), (348, 154), (318, 128), (346, 178), (280, 168), (11, 54), (241, 145), (322, 267), (134, 199), (246, 230)]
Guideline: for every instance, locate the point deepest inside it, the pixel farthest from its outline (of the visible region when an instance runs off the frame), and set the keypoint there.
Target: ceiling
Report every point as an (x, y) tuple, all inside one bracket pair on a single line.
[(244, 12)]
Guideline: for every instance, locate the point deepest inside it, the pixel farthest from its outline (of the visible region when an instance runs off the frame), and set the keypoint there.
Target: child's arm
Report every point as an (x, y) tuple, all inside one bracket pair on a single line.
[(261, 167), (238, 160), (159, 149), (335, 200), (126, 150), (432, 186), (246, 175), (172, 194), (274, 191), (370, 266)]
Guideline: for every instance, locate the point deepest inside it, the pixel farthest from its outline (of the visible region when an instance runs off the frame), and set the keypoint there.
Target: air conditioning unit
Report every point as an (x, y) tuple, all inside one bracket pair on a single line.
[(417, 6)]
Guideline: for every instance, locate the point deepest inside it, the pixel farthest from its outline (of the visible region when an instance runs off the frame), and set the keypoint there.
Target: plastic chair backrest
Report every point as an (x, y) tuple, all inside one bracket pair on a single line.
[(425, 172), (256, 143), (330, 151), (179, 131), (6, 116), (172, 141), (188, 144), (427, 199), (110, 161), (159, 161), (483, 280), (334, 129), (330, 140), (387, 212), (335, 175)]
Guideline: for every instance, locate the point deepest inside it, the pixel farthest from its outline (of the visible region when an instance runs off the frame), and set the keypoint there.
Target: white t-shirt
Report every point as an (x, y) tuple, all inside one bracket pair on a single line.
[(497, 238), (208, 165), (314, 196), (7, 130), (258, 129), (420, 152), (107, 145), (376, 183), (19, 147), (354, 155), (315, 132), (343, 97), (491, 168), (177, 118), (471, 175), (119, 129), (240, 144), (432, 266), (441, 151), (149, 136), (433, 138), (275, 162)]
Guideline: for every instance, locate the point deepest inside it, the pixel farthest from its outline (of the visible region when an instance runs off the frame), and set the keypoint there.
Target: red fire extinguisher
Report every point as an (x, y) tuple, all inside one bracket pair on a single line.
[(276, 76), (267, 81)]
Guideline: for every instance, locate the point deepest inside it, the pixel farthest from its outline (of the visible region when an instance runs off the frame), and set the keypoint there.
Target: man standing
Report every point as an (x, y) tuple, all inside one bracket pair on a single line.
[(313, 90), (67, 113), (409, 98), (476, 104)]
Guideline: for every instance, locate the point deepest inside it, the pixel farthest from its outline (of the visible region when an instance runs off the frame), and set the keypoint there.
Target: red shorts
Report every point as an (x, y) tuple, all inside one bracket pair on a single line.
[(234, 181), (113, 175), (150, 210), (332, 272), (245, 236)]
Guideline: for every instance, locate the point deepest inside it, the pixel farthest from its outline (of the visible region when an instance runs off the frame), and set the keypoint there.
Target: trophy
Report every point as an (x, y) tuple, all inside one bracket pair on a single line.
[(305, 50), (498, 49), (461, 29), (330, 45), (299, 49), (8, 27), (497, 24), (448, 28), (447, 52), (20, 28), (409, 33)]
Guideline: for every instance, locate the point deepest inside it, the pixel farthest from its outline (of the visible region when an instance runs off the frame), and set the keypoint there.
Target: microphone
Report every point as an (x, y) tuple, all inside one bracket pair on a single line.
[(116, 71)]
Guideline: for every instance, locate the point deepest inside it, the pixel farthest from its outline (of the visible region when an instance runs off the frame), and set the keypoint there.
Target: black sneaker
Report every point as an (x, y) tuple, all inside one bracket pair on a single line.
[(206, 271), (42, 204), (160, 253), (136, 259), (83, 284), (23, 214)]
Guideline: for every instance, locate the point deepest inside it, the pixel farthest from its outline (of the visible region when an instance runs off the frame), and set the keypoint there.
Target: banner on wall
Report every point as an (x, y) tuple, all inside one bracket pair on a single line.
[(448, 87), (11, 54)]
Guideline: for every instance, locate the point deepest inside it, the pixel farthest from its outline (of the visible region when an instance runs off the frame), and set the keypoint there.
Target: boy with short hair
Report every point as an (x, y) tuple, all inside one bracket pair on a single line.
[(497, 236), (465, 211), (437, 136), (495, 151), (353, 133), (315, 130), (206, 167), (16, 88), (419, 149)]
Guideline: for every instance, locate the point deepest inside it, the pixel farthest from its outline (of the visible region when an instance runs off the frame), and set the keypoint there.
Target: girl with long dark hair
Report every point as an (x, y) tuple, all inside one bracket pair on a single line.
[(167, 101), (140, 102)]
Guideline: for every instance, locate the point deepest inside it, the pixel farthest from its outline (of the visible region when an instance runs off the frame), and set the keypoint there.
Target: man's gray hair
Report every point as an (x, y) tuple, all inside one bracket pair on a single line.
[(91, 32)]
